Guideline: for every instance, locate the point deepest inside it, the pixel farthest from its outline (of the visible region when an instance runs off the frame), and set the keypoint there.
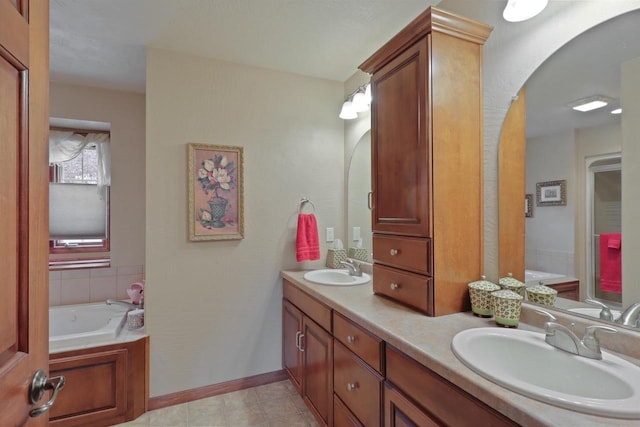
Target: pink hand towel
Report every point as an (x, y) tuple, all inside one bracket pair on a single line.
[(307, 242), (611, 262)]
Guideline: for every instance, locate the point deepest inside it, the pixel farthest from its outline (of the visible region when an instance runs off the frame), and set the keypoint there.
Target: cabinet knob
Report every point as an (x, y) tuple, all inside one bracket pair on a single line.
[(351, 339), (352, 386), (393, 252), (394, 286)]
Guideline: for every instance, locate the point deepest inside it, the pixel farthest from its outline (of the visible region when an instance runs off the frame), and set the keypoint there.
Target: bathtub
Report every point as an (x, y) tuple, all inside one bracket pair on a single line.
[(72, 325), (531, 275)]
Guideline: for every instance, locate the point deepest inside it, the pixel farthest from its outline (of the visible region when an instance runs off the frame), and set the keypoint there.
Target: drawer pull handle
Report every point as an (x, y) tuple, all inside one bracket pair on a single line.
[(393, 252), (351, 339), (352, 386), (394, 286), (301, 348), (298, 339)]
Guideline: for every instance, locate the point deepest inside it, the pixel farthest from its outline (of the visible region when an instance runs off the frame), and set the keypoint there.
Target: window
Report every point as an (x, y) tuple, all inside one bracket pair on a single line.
[(79, 175)]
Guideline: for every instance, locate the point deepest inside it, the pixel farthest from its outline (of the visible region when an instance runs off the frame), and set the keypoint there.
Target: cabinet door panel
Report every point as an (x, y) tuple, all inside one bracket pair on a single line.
[(400, 142), (318, 369), (400, 412), (291, 329)]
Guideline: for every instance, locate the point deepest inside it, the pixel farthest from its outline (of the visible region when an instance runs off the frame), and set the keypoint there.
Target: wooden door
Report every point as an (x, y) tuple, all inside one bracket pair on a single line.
[(400, 140), (317, 361), (400, 412), (291, 354), (24, 234)]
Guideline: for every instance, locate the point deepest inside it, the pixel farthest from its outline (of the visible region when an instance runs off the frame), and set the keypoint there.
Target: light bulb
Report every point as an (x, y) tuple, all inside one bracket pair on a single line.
[(367, 93), (521, 10), (359, 102), (347, 112)]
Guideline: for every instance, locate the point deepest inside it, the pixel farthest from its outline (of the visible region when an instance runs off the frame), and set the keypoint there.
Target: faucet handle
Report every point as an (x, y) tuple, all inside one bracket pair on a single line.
[(605, 313), (550, 316), (590, 339)]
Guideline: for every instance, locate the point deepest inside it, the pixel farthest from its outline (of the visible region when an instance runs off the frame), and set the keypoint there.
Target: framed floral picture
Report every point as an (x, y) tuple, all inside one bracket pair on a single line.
[(215, 192)]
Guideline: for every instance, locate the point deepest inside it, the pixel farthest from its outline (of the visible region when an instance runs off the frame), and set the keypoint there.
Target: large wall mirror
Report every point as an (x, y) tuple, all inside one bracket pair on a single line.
[(579, 170), (358, 195)]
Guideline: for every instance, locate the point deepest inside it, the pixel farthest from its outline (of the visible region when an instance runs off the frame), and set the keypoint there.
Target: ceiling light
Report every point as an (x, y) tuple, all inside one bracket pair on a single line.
[(591, 103), (521, 10), (347, 112), (617, 111)]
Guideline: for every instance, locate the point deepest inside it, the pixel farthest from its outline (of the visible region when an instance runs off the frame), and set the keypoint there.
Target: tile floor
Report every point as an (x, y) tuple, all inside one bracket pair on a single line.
[(271, 405)]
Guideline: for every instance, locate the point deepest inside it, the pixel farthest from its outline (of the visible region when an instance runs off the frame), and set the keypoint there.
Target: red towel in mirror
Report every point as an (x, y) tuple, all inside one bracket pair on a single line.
[(611, 262), (307, 242)]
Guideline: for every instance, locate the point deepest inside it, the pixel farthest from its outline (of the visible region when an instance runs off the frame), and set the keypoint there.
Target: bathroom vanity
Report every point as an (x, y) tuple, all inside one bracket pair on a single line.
[(362, 360)]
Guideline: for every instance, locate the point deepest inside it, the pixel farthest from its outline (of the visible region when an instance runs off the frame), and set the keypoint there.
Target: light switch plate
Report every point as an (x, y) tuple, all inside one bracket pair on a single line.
[(330, 234), (356, 234)]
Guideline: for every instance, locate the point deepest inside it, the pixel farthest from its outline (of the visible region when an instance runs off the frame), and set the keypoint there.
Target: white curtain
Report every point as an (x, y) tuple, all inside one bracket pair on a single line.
[(65, 146)]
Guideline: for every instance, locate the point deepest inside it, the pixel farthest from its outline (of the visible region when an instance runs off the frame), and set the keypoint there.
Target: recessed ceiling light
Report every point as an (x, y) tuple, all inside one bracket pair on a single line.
[(617, 111), (591, 103)]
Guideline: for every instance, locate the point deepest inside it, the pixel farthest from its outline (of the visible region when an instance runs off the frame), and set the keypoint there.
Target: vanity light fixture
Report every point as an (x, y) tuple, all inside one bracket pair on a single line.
[(358, 102), (617, 111), (521, 10), (590, 103)]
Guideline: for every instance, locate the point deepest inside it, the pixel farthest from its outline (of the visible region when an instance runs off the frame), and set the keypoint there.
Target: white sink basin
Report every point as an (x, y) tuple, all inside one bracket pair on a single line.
[(523, 362), (334, 277), (593, 312)]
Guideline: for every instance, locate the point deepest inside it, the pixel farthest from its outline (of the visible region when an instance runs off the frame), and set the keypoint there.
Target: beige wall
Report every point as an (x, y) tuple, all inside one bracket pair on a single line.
[(214, 308), (126, 113)]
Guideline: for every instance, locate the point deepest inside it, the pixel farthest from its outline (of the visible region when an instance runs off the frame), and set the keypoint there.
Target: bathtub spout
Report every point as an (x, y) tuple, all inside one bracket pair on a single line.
[(129, 305)]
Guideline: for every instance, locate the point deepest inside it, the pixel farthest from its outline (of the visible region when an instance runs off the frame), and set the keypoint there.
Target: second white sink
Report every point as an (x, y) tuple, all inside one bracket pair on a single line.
[(523, 362), (334, 277)]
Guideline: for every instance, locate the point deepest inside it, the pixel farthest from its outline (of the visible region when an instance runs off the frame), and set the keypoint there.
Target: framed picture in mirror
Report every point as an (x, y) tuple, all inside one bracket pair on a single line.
[(528, 205), (551, 193)]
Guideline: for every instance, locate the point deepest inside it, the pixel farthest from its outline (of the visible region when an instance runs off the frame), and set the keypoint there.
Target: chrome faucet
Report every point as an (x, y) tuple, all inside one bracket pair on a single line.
[(561, 337), (629, 317), (129, 305), (353, 267)]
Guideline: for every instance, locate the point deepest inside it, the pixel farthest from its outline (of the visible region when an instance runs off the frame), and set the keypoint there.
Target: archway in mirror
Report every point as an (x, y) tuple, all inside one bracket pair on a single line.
[(570, 169), (358, 194)]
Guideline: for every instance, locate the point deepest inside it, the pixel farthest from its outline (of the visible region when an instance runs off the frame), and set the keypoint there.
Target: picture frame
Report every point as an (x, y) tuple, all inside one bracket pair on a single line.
[(528, 205), (216, 193), (551, 193)]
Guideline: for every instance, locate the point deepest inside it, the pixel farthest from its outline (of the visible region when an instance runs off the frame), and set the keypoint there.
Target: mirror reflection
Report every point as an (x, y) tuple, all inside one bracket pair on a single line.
[(358, 209), (574, 169)]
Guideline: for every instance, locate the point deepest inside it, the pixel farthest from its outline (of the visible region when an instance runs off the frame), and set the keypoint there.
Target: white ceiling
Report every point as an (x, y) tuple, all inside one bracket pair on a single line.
[(102, 43)]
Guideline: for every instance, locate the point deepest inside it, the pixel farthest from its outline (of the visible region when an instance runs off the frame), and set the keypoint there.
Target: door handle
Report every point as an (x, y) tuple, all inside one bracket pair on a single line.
[(39, 384), (301, 348), (298, 333), (369, 200)]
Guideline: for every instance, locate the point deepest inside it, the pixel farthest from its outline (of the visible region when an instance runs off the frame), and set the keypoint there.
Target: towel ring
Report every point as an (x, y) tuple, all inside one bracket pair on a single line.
[(304, 201)]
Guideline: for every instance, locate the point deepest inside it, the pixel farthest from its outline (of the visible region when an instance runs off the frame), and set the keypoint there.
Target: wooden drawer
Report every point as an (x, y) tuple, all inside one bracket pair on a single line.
[(569, 290), (408, 288), (320, 313), (367, 346), (342, 416), (357, 385), (440, 398), (408, 253)]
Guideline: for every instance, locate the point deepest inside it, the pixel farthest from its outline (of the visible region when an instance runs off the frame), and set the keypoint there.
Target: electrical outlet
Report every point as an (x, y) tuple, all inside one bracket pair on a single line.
[(356, 234), (330, 237)]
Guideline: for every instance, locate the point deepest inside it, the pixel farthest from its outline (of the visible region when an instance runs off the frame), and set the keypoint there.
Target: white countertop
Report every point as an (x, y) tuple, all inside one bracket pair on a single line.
[(428, 340)]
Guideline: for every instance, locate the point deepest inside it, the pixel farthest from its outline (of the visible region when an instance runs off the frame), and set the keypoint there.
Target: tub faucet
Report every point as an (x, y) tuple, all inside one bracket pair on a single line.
[(354, 268), (559, 336), (129, 305)]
